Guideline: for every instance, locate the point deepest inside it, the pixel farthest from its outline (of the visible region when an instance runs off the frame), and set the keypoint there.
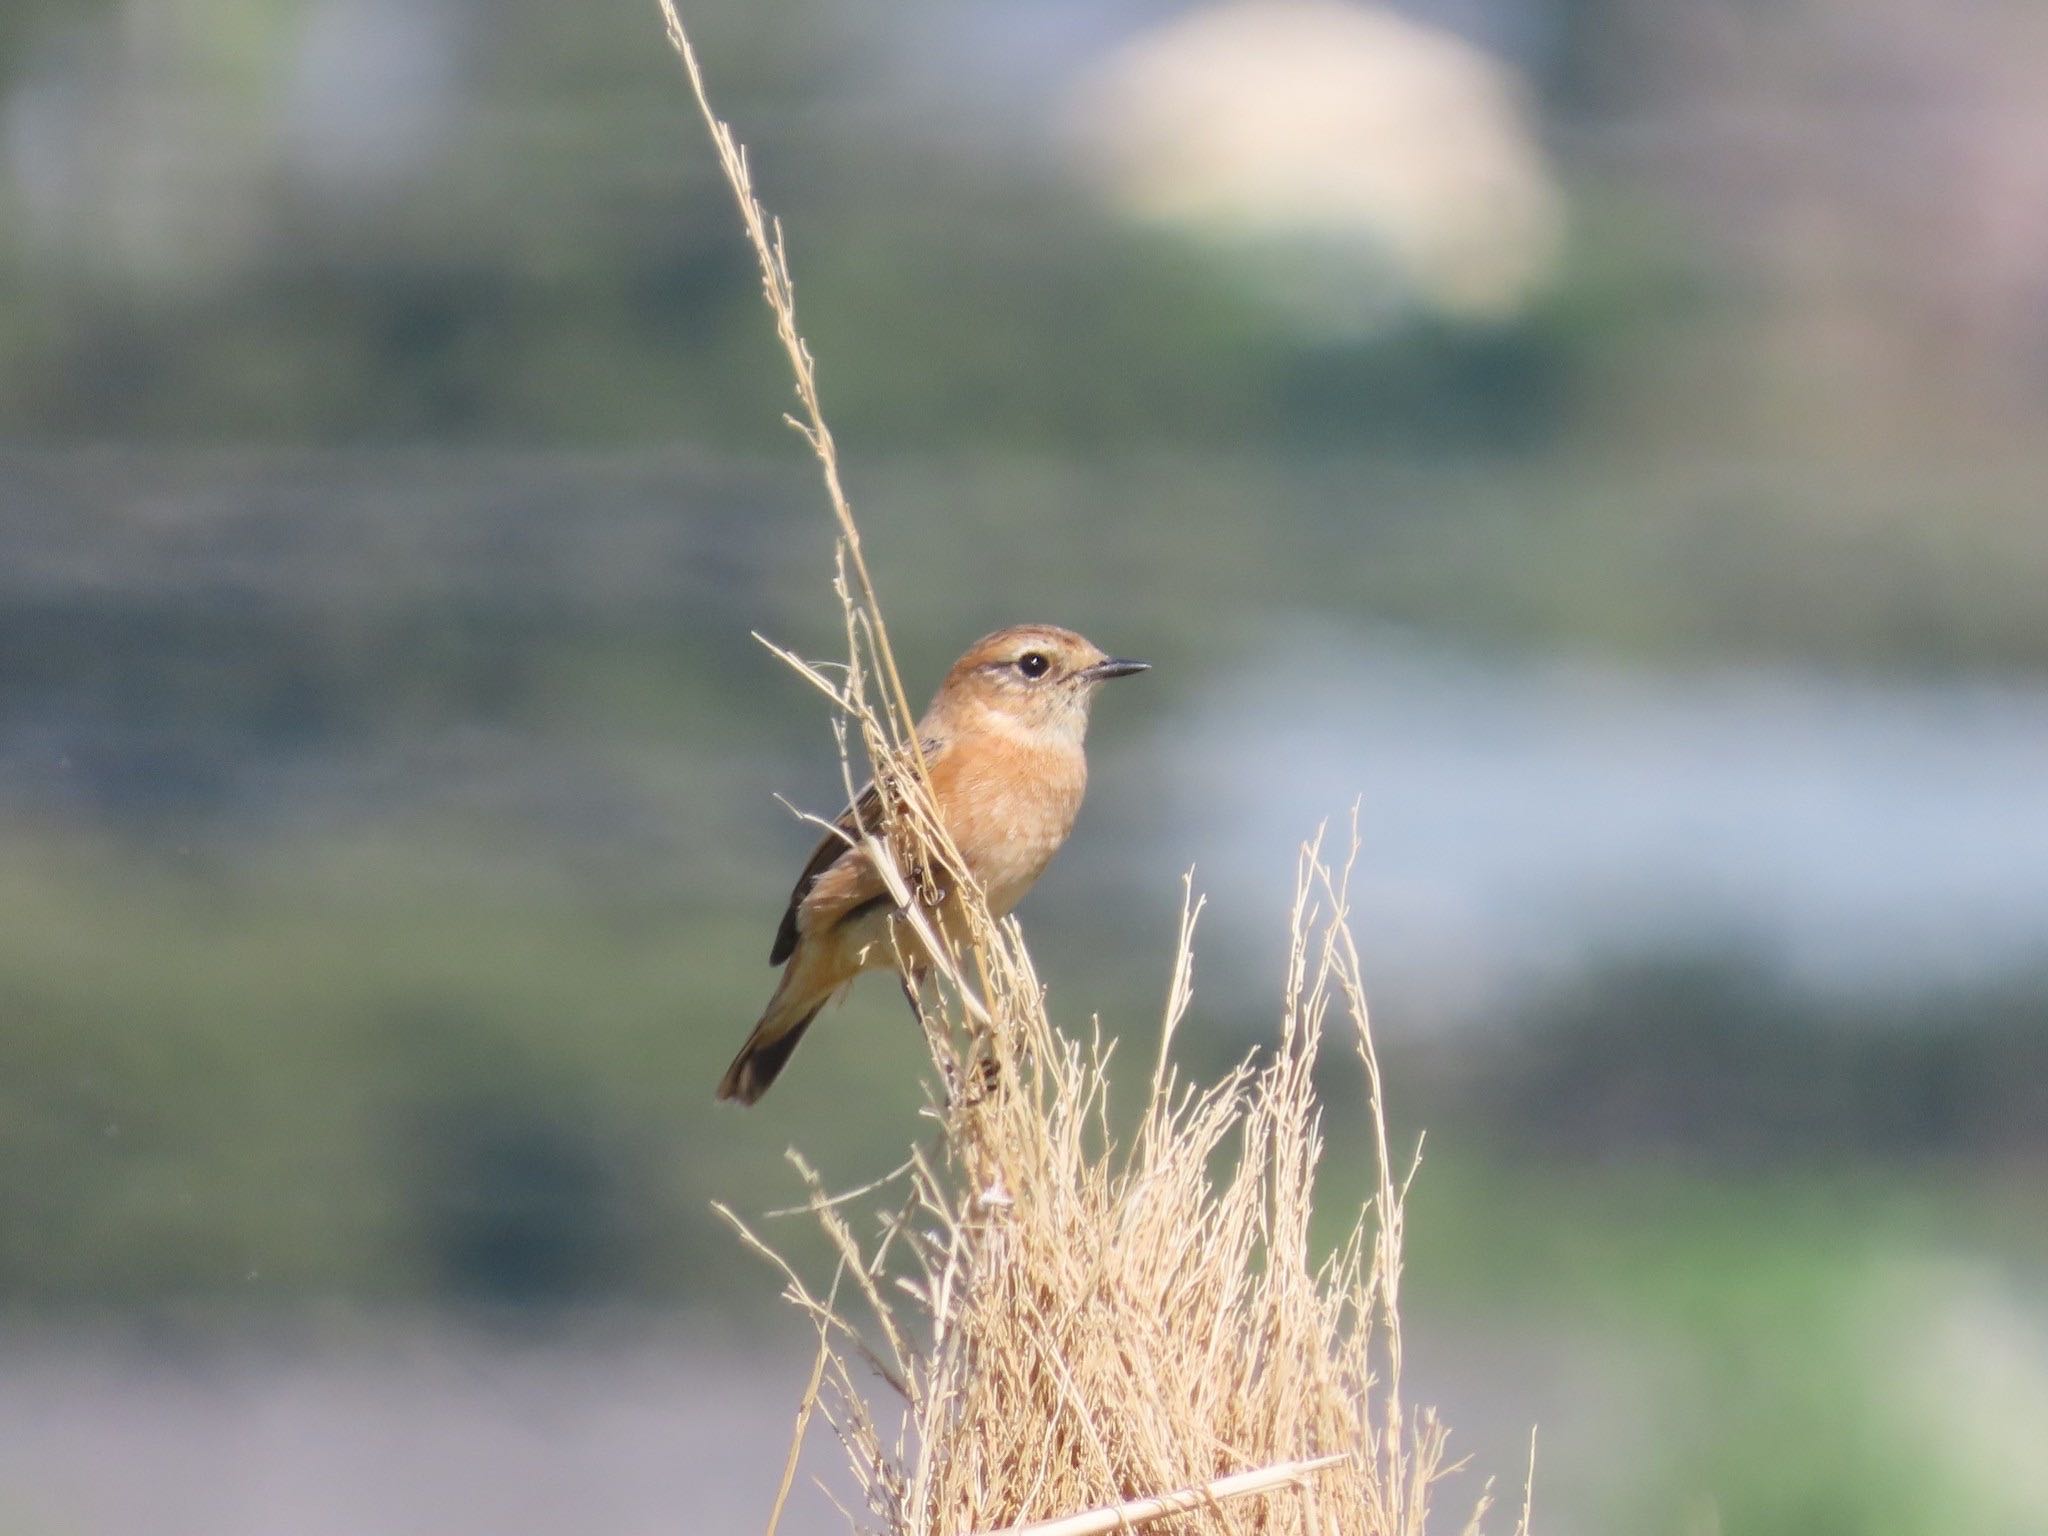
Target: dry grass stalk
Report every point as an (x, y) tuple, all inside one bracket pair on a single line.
[(1060, 1324), (1137, 1512)]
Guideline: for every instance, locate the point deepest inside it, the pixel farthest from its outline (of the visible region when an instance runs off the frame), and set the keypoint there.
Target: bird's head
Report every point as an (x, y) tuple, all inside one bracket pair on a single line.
[(1033, 677)]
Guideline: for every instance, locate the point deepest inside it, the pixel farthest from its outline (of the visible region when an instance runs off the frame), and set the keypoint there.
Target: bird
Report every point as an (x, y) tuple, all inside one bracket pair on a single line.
[(1002, 744)]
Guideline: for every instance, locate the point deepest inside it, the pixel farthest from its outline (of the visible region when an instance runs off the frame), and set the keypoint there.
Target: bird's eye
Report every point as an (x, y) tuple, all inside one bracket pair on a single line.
[(1033, 664)]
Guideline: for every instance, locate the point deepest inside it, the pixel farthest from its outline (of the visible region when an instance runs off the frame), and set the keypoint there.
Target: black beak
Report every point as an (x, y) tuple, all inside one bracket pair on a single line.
[(1114, 668)]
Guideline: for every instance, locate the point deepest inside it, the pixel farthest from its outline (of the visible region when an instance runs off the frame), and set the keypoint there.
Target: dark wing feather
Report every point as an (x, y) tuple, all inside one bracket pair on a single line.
[(835, 846), (866, 812)]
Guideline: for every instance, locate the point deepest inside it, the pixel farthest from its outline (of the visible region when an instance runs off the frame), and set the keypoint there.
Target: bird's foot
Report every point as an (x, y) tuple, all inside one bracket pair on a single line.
[(976, 1085)]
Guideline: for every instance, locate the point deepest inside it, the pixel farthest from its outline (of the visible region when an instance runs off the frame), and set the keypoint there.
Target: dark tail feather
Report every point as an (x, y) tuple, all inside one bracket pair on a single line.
[(762, 1058)]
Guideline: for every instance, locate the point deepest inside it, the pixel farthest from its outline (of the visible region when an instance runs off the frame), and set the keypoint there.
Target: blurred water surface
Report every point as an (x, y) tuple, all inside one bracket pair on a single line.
[(1521, 815), (422, 1430)]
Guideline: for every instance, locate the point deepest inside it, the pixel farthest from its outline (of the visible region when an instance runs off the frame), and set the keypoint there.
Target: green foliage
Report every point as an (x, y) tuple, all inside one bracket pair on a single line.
[(1742, 1354), (261, 1088)]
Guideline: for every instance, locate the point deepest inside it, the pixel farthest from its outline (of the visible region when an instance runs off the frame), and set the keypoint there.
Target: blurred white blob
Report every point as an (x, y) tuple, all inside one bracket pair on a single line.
[(371, 90), (1360, 165), (1958, 1356)]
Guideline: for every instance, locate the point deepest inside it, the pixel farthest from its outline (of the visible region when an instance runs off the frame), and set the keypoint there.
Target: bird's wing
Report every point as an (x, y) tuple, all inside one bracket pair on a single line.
[(853, 881)]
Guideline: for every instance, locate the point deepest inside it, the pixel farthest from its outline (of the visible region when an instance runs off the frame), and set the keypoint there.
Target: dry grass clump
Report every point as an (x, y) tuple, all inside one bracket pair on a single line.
[(1029, 1323), (1070, 1325)]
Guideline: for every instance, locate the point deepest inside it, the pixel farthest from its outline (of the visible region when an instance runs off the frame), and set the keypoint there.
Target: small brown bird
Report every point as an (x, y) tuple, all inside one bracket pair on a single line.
[(1002, 741)]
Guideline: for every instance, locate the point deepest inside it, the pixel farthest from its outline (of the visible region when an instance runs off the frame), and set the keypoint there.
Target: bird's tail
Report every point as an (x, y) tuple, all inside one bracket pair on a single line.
[(768, 1049)]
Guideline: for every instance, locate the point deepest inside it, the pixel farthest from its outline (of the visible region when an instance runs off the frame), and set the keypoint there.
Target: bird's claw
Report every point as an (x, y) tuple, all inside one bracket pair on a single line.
[(984, 1076)]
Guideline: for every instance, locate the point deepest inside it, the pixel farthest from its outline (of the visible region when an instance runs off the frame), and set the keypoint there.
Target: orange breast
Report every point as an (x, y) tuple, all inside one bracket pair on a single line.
[(1009, 804)]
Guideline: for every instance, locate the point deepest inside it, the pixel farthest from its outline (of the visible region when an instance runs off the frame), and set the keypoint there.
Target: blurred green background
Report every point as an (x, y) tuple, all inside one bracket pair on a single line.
[(1598, 437)]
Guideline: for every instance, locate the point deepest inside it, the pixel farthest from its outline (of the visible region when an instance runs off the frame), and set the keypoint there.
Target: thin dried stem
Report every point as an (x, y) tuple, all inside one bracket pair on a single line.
[(805, 1408), (764, 233), (1136, 1512)]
